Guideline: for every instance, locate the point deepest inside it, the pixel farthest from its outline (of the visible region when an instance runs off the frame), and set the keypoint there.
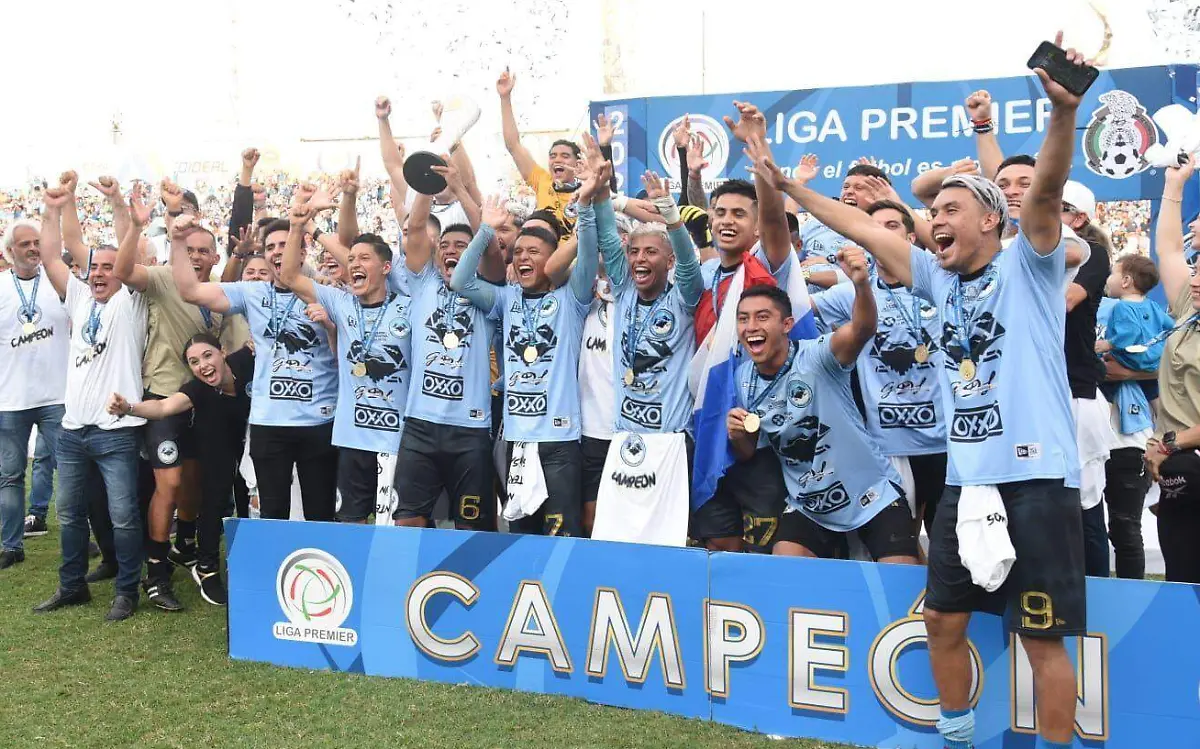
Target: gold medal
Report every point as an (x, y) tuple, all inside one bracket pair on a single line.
[(922, 354), (966, 370), (359, 369), (629, 376), (530, 354), (751, 423), (450, 341), (28, 328)]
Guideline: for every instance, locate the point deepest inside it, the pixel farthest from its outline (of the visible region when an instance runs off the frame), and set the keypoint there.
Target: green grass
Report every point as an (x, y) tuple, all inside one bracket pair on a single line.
[(70, 679)]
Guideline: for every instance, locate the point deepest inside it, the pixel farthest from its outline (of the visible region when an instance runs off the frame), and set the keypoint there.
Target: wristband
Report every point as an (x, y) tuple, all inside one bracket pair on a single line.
[(619, 202), (667, 209), (1172, 200), (317, 233), (982, 127)]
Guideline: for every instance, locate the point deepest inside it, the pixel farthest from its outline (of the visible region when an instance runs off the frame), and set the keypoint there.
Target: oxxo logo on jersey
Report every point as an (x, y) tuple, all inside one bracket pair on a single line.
[(316, 595), (713, 138)]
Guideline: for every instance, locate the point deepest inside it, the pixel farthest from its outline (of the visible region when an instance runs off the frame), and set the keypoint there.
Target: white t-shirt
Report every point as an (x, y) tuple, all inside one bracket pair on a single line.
[(447, 214), (33, 366), (112, 365), (597, 399)]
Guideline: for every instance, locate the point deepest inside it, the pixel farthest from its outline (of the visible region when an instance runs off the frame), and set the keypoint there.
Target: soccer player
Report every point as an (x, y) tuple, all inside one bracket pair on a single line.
[(168, 442), (794, 398), (34, 323), (108, 338), (295, 379), (373, 352), (542, 330), (1003, 320)]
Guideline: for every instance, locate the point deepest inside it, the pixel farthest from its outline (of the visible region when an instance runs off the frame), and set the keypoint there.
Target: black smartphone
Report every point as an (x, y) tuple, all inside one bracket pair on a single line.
[(1075, 78)]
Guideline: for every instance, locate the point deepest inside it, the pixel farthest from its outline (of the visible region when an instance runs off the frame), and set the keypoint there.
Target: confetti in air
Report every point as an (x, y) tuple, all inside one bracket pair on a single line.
[(1177, 25)]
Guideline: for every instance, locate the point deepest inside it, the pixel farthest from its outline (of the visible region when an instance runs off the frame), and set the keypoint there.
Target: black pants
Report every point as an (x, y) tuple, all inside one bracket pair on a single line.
[(218, 468), (929, 476), (241, 493), (1179, 516), (309, 450), (562, 512), (1125, 485), (1095, 543)]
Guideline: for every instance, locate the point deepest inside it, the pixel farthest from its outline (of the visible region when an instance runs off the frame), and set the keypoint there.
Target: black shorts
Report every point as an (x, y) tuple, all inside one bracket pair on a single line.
[(1044, 594), (929, 477), (749, 499), (439, 457), (168, 442), (562, 512), (595, 452), (888, 534), (357, 482)]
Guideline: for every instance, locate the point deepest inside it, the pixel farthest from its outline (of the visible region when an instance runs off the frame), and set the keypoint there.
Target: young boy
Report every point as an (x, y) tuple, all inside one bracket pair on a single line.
[(1137, 327)]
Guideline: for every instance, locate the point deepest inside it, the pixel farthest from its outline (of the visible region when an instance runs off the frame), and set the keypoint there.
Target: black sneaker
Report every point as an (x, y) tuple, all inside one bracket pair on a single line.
[(159, 593), (212, 587), (122, 608), (103, 571), (9, 557), (62, 598), (183, 556), (35, 526)]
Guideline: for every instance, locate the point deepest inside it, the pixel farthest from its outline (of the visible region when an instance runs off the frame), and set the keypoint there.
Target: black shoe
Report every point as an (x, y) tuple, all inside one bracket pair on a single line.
[(93, 550), (159, 593), (63, 598), (122, 608), (104, 571), (35, 526), (9, 557), (212, 587), (183, 556)]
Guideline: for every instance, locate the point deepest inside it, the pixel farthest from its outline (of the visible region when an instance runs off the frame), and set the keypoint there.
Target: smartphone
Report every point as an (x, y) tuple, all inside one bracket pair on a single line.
[(1075, 78)]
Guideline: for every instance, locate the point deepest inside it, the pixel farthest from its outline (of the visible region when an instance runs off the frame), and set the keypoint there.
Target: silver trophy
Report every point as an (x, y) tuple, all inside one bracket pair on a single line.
[(459, 115)]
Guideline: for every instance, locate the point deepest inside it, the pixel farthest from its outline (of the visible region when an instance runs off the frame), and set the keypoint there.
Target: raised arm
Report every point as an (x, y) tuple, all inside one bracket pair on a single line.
[(127, 269), (462, 162), (877, 189), (392, 152), (979, 107), (242, 213), (1041, 208), (71, 230), (512, 136), (154, 410), (347, 228), (889, 249), (687, 261), (418, 248), (682, 137), (562, 260), (291, 269), (192, 290), (466, 280), (108, 187), (695, 173), (592, 191), (54, 200), (172, 198), (848, 341), (1168, 233), (751, 129), (925, 187)]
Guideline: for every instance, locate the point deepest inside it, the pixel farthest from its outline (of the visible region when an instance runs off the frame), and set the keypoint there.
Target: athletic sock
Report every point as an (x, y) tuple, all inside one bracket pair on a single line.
[(158, 566), (957, 728), (185, 532)]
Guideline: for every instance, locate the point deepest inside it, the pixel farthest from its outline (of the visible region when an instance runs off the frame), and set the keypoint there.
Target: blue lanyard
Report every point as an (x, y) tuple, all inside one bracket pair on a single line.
[(1170, 331), (780, 376), (206, 313), (276, 318), (636, 329), (92, 328), (450, 306), (961, 320), (370, 337), (913, 325), (528, 319), (716, 284), (28, 309)]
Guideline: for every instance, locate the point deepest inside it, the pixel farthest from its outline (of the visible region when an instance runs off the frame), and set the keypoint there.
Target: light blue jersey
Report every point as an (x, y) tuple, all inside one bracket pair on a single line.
[(373, 369), (1012, 420), (833, 472), (451, 366), (898, 378), (655, 340), (542, 334), (295, 377), (818, 240), (1138, 324)]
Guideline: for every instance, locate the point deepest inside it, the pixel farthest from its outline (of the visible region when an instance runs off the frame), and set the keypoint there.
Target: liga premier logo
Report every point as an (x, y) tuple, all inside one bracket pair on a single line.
[(1116, 138), (316, 595), (714, 140)]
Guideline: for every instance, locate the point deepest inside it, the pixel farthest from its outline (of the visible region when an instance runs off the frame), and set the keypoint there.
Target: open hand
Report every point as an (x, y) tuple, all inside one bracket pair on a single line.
[(750, 122), (505, 83)]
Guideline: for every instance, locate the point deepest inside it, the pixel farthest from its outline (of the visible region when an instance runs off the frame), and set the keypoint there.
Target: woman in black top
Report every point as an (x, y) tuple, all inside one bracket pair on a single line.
[(219, 397)]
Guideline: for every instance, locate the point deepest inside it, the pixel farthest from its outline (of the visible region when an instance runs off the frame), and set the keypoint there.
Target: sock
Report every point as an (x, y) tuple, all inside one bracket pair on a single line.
[(1048, 744), (957, 728), (185, 532), (158, 567)]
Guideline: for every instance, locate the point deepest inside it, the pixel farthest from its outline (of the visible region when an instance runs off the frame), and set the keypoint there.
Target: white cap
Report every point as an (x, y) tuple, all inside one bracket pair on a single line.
[(1083, 199)]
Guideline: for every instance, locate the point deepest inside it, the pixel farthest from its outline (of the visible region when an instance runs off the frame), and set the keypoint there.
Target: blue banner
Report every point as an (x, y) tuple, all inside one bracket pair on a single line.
[(797, 647), (913, 127)]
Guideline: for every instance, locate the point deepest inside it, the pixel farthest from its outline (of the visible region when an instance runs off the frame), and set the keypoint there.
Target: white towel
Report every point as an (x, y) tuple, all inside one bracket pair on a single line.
[(1093, 437), (908, 482), (643, 495), (983, 543), (526, 482), (386, 498)]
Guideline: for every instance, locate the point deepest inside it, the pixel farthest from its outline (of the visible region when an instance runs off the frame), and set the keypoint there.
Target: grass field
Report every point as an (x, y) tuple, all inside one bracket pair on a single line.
[(70, 679)]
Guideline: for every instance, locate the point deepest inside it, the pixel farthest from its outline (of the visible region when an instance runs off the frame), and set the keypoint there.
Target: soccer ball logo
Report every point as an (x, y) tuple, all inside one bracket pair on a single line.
[(1118, 135), (314, 589)]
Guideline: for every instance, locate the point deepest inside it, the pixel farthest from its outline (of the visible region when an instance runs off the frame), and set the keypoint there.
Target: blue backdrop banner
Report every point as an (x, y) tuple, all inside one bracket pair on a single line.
[(797, 647), (910, 128)]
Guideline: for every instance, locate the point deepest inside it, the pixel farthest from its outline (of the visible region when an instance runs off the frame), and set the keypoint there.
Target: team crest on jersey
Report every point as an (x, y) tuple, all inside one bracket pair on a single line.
[(633, 451), (548, 306), (1116, 138), (928, 311), (399, 327), (799, 393), (168, 452), (663, 324), (24, 317)]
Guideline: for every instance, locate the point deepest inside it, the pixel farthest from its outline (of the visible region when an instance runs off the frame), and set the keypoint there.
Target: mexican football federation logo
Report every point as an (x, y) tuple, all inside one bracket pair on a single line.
[(316, 595), (1118, 135)]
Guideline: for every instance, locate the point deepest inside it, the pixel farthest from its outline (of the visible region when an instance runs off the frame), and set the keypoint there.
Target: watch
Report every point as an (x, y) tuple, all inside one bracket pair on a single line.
[(1168, 443)]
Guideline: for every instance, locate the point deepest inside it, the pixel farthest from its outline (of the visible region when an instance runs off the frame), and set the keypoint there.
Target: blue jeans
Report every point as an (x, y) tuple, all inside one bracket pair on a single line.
[(115, 454), (42, 488), (15, 427)]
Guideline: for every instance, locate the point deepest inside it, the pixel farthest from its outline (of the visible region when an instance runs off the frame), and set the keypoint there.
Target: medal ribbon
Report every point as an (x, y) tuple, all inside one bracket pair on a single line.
[(752, 386), (914, 325), (370, 338), (28, 308), (92, 328), (528, 320), (962, 322), (636, 329), (276, 318)]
